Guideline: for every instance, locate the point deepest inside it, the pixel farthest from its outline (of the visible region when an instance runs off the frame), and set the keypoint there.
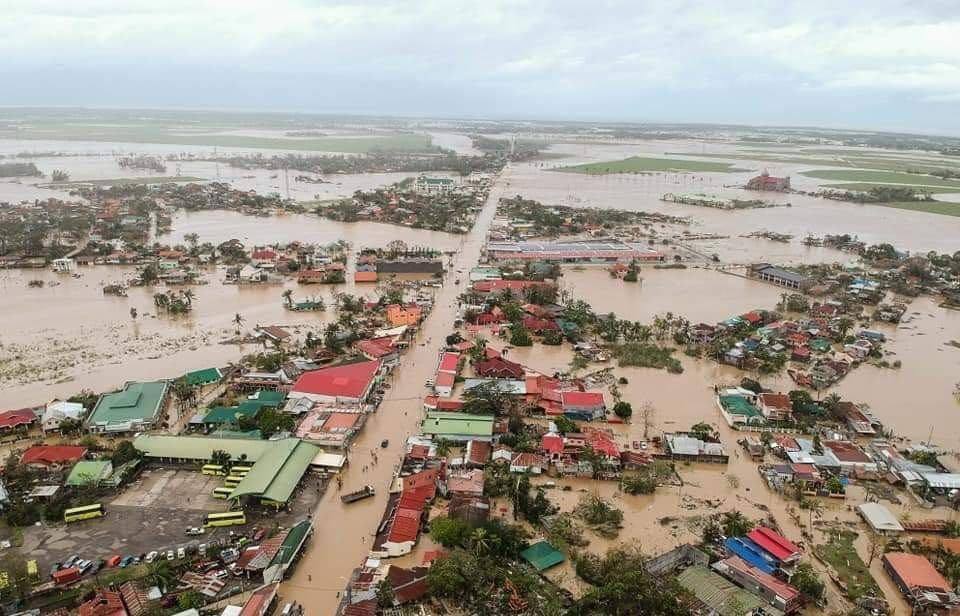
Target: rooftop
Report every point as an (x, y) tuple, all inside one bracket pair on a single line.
[(52, 454), (542, 555), (879, 517), (916, 572), (345, 381), (135, 403), (438, 422)]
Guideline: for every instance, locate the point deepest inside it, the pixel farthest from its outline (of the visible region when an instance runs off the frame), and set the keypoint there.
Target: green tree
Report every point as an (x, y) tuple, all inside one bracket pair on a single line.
[(190, 600), (449, 532), (623, 410), (519, 336), (124, 452), (806, 580), (385, 595), (735, 524)]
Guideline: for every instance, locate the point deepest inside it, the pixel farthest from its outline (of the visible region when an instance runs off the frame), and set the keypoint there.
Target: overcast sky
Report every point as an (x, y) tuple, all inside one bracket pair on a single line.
[(877, 64)]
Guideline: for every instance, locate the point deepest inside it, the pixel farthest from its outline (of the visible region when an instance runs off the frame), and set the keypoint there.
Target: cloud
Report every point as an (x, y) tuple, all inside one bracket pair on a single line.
[(643, 59)]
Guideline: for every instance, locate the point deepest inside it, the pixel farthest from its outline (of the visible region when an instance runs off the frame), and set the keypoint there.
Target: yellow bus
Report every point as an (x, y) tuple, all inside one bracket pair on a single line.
[(33, 571), (222, 493), (83, 513), (228, 518), (212, 469), (232, 482), (240, 470)]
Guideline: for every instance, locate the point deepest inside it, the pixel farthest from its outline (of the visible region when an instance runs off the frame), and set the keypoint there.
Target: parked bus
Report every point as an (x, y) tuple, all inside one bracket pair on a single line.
[(240, 470), (212, 469), (33, 570), (228, 518), (83, 513), (222, 493), (232, 482)]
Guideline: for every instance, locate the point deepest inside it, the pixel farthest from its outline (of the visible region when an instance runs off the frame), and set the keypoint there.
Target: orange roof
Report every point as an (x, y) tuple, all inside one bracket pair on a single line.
[(340, 421), (916, 572), (365, 277), (53, 454)]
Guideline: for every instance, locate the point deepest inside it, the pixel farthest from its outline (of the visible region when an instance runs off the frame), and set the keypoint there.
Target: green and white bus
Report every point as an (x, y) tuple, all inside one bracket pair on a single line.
[(228, 518), (212, 469), (222, 493), (86, 512)]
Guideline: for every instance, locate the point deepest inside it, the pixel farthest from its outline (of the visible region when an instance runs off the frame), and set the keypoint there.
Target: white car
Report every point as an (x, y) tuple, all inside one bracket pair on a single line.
[(170, 555), (181, 553), (151, 556), (195, 530)]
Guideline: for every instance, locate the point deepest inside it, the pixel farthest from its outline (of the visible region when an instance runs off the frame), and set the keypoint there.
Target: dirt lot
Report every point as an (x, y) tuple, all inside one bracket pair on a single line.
[(153, 514)]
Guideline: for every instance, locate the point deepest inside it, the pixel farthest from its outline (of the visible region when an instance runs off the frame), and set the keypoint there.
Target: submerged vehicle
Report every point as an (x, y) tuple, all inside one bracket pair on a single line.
[(365, 492)]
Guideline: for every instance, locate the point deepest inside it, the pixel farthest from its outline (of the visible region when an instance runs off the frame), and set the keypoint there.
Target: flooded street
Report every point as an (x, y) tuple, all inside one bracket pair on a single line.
[(343, 533)]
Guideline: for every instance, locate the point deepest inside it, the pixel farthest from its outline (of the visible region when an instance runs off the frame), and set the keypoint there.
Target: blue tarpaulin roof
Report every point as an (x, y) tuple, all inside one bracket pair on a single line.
[(751, 553)]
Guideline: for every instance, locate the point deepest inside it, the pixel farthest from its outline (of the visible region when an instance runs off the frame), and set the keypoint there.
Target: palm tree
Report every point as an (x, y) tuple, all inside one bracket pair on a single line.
[(480, 540), (287, 296), (159, 574), (238, 321), (814, 506)]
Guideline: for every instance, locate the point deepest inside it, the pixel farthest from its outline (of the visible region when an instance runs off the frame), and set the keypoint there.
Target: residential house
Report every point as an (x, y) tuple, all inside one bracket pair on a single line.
[(775, 407), (17, 420), (346, 384), (53, 456), (850, 456), (56, 411), (681, 446), (527, 463), (778, 593), (409, 314)]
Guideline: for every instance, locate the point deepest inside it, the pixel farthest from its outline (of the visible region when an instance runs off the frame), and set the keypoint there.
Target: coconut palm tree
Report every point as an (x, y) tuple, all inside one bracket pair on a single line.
[(287, 296), (238, 321)]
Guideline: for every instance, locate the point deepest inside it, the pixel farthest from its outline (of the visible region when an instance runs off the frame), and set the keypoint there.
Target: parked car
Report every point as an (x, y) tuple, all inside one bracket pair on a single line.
[(202, 549), (193, 530), (151, 556), (114, 560), (84, 566), (219, 574), (126, 562), (54, 568), (259, 534), (71, 561), (181, 553), (170, 555)]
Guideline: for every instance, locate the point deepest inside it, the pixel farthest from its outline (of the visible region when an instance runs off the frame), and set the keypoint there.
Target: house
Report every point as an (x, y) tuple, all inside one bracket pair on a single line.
[(446, 377), (134, 408), (775, 544), (879, 519), (345, 384), (775, 407), (780, 277), (477, 453), (409, 314), (681, 446), (264, 257), (850, 456), (468, 483), (855, 418), (20, 419), (583, 405), (500, 368), (737, 407), (472, 509), (53, 456), (89, 472), (527, 463), (382, 349), (767, 182), (365, 276), (251, 274), (104, 603), (272, 333), (433, 186), (919, 580), (777, 593), (57, 411), (458, 427)]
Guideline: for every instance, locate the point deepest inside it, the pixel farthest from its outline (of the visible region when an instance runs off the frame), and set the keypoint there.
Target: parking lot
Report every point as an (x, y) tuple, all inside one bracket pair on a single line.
[(153, 513)]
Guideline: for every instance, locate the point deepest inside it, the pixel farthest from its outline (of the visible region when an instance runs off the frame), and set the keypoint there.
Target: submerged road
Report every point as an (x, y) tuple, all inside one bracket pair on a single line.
[(343, 533)]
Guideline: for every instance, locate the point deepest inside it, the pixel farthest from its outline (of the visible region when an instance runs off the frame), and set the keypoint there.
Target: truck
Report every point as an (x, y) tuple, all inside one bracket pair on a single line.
[(364, 492), (66, 576)]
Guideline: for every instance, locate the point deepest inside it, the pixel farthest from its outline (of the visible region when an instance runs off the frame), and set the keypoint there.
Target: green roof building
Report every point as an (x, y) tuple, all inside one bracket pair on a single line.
[(542, 555), (89, 472), (721, 595), (278, 466), (458, 427), (135, 407), (203, 377)]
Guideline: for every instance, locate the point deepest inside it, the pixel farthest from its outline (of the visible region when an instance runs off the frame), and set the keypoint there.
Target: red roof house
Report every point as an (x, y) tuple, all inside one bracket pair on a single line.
[(776, 544), (348, 383), (53, 455), (500, 368), (11, 420), (913, 572), (104, 603)]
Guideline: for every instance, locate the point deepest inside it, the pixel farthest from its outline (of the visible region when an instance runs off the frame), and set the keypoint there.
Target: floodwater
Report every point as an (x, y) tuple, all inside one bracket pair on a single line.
[(343, 533), (915, 231), (90, 338)]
